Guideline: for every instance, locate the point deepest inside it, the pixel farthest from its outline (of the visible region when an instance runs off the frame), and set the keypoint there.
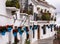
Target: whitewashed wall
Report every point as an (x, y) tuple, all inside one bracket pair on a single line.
[(3, 20), (48, 31), (2, 7)]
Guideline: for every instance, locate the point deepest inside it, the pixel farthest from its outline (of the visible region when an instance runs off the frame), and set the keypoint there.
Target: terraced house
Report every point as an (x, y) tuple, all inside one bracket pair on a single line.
[(26, 21)]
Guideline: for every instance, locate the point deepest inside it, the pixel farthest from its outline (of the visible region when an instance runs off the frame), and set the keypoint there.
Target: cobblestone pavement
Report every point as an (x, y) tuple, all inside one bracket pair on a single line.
[(45, 41)]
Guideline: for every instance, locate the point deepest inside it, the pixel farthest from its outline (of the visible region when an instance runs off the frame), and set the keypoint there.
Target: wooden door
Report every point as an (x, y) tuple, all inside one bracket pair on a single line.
[(38, 32)]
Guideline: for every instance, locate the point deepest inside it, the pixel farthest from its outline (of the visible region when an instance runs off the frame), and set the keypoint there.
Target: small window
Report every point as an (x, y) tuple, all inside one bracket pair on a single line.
[(41, 11), (38, 8), (45, 10)]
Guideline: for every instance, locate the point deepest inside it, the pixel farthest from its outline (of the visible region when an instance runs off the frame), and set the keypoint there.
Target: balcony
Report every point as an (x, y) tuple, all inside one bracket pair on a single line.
[(44, 17), (13, 3)]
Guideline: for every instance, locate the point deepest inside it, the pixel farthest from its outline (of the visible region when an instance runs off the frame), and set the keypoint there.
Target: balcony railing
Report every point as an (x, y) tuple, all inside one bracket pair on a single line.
[(13, 3), (44, 17)]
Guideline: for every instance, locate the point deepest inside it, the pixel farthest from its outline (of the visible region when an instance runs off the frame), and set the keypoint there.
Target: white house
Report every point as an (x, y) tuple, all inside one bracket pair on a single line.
[(38, 8)]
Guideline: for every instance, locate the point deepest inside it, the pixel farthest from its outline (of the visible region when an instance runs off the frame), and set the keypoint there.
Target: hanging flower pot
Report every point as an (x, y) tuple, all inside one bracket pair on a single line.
[(9, 28), (15, 32), (30, 27), (35, 26), (3, 30), (21, 32), (44, 27), (47, 26), (51, 25), (26, 29), (19, 29)]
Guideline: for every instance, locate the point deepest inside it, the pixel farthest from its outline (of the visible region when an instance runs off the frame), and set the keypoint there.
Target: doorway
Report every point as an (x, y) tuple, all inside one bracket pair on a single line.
[(38, 32)]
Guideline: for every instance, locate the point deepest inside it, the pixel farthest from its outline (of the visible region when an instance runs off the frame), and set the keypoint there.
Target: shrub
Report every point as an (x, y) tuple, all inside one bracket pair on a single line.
[(13, 3)]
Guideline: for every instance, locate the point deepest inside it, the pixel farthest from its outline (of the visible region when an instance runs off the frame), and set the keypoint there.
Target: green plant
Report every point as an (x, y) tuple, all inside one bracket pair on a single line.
[(46, 16), (13, 3)]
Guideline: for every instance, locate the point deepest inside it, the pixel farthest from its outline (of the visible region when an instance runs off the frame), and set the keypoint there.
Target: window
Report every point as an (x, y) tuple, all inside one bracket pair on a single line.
[(45, 10), (38, 8), (41, 11)]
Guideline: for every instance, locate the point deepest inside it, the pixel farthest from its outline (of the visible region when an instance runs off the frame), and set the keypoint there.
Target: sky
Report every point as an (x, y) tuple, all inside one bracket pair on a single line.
[(55, 3)]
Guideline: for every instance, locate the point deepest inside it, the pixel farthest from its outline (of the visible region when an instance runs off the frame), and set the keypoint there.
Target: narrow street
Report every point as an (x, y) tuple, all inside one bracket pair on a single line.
[(51, 40), (45, 41)]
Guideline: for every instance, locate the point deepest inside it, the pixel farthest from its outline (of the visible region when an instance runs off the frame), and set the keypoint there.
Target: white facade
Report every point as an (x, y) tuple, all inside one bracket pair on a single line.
[(7, 19), (48, 30), (3, 20)]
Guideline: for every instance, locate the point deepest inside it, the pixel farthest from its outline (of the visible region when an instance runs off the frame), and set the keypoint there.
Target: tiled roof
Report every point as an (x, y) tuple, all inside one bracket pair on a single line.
[(43, 3)]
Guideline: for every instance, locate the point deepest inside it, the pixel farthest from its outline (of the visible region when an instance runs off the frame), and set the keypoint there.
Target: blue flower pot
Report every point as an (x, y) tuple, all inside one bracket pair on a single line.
[(9, 29), (15, 34), (20, 33), (24, 28), (30, 27), (3, 33), (19, 30)]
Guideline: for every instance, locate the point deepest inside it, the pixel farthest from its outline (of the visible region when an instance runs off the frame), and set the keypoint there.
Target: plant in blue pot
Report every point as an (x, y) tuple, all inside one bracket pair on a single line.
[(44, 27), (20, 30), (48, 26), (3, 30), (15, 36), (31, 27), (9, 28), (35, 26), (26, 29)]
